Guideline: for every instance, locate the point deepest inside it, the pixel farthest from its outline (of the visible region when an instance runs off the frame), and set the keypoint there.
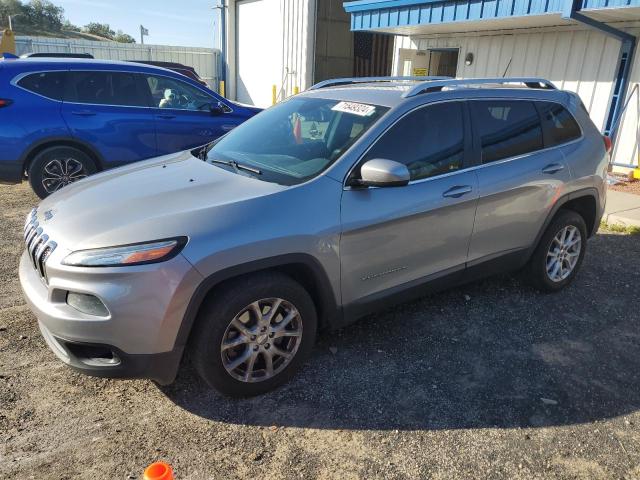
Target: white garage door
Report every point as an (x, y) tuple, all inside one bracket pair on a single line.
[(259, 50)]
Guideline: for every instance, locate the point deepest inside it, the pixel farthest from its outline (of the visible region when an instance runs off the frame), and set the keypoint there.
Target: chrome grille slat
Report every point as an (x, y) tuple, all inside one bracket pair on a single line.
[(39, 246)]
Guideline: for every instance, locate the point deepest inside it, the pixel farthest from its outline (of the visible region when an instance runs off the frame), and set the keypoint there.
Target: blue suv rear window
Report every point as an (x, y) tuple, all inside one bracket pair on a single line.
[(47, 84)]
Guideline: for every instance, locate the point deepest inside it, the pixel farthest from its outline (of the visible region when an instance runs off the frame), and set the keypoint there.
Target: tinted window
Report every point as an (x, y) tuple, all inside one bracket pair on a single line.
[(105, 88), (170, 93), (506, 128), (429, 141), (560, 125), (48, 84)]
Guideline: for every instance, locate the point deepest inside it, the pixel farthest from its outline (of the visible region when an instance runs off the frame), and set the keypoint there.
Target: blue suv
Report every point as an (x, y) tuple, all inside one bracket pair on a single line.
[(65, 119)]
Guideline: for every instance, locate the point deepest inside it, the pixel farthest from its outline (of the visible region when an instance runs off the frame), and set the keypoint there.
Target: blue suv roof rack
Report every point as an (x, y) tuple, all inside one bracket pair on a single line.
[(354, 80), (438, 84)]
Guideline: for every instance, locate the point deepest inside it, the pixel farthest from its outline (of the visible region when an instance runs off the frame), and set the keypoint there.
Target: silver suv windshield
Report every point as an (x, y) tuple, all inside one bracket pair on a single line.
[(294, 140)]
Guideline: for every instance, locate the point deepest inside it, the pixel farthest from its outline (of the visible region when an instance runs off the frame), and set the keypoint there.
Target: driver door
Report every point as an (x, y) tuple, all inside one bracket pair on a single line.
[(396, 238), (182, 115)]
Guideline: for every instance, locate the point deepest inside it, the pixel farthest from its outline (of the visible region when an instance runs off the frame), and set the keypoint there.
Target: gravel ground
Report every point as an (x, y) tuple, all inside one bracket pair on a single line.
[(492, 380)]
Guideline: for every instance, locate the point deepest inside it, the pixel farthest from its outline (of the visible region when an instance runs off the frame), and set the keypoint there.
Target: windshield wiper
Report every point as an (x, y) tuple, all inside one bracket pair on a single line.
[(236, 165)]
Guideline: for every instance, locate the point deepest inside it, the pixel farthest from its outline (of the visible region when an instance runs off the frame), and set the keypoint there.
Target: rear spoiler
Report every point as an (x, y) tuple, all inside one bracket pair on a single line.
[(9, 56)]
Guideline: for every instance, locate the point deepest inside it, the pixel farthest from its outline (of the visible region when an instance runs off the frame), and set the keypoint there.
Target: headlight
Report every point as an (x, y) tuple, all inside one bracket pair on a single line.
[(126, 255)]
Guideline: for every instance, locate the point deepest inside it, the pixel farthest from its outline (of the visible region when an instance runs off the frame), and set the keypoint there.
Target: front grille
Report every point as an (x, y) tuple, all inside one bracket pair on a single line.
[(39, 245)]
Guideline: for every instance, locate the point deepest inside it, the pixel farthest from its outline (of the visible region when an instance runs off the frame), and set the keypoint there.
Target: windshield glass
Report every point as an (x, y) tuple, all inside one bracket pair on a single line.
[(297, 139)]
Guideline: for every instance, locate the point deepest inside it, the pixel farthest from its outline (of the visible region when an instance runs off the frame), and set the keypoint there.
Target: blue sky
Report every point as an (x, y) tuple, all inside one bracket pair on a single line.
[(170, 22)]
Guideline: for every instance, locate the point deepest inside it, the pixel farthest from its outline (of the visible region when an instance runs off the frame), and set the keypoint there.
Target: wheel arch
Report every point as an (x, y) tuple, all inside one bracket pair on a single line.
[(43, 144), (585, 202), (303, 268)]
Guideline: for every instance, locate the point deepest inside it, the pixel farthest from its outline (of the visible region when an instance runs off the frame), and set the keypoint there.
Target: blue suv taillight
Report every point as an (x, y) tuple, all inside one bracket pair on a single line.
[(5, 102)]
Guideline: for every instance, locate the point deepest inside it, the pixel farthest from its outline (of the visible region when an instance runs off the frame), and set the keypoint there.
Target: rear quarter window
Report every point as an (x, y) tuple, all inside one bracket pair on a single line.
[(559, 125), (47, 84)]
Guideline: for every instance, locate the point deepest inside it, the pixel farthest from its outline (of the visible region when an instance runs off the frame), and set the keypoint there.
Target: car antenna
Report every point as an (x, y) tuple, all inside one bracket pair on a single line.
[(507, 69)]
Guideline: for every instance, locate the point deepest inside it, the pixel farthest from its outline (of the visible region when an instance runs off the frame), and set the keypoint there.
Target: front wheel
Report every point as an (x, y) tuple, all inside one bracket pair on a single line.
[(253, 334), (559, 255), (57, 167)]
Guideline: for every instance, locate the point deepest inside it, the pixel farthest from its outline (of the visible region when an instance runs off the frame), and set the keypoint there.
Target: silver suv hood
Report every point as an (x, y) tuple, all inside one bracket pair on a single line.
[(164, 197)]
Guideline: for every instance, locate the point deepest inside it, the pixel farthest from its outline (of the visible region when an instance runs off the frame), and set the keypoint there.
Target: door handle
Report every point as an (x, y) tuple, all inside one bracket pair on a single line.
[(553, 168), (166, 116), (83, 113), (457, 192)]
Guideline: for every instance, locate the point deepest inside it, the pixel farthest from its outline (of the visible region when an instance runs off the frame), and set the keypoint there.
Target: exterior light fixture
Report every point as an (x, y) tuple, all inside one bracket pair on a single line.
[(468, 60)]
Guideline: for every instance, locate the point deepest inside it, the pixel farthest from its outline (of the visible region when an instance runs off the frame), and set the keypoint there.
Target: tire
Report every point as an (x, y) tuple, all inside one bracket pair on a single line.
[(229, 307), (56, 167), (542, 277)]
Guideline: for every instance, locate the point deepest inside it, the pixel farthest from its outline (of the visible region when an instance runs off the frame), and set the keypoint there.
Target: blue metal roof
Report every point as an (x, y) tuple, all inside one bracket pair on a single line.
[(386, 14)]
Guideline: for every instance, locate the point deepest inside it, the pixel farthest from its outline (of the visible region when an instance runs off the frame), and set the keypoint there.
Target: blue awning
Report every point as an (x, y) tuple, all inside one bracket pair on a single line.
[(403, 16)]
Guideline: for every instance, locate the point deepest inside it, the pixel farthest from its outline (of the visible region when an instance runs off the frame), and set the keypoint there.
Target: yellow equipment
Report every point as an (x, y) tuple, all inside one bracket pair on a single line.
[(8, 42)]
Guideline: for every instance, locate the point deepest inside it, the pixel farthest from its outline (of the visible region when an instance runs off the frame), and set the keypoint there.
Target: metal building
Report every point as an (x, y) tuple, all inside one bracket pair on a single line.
[(586, 46), (291, 44)]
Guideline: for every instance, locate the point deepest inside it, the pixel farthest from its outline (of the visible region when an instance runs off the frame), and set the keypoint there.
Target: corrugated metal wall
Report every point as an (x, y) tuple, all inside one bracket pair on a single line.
[(295, 29), (204, 60), (580, 60), (296, 45)]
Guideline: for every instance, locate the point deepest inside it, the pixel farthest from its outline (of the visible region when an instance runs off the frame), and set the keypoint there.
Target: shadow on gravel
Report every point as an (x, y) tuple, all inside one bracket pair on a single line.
[(493, 354)]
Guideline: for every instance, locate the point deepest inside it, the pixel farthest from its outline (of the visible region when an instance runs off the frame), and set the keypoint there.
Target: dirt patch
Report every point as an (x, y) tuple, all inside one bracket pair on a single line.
[(626, 186), (492, 380)]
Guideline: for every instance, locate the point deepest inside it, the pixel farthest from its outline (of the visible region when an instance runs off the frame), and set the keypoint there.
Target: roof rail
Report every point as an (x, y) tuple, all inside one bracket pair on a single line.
[(353, 80), (439, 84)]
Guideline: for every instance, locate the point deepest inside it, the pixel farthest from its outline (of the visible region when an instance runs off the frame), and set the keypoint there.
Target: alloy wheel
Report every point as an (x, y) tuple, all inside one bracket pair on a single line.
[(261, 340), (563, 253), (58, 173)]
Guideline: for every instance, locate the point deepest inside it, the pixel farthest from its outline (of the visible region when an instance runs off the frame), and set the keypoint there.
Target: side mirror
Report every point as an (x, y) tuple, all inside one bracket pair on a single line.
[(217, 108), (381, 172)]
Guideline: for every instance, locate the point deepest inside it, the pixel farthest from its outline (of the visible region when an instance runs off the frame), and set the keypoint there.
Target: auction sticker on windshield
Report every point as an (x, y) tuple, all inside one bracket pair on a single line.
[(360, 109)]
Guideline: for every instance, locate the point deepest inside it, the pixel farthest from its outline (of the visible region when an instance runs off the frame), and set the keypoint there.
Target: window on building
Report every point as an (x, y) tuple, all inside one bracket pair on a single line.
[(429, 141), (559, 124), (47, 84), (105, 88), (443, 62), (506, 128)]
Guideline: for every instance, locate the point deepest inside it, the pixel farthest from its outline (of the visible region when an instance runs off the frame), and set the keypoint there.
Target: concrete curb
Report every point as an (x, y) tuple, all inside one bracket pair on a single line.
[(622, 209)]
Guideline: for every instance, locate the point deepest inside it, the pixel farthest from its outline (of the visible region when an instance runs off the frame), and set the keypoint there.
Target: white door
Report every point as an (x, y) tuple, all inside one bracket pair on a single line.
[(259, 50), (412, 63)]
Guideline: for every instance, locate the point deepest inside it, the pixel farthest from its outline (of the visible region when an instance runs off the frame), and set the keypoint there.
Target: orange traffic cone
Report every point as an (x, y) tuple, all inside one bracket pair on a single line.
[(158, 471)]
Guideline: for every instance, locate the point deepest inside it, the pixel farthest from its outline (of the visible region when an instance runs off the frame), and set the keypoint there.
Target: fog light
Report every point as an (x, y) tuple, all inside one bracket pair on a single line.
[(89, 304)]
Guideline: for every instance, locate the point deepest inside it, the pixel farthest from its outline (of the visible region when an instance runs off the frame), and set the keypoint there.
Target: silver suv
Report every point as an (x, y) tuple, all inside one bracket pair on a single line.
[(352, 195)]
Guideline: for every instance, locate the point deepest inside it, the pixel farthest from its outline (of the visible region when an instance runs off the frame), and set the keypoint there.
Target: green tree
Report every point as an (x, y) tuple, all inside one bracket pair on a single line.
[(100, 29), (44, 15), (122, 37), (70, 27), (9, 7)]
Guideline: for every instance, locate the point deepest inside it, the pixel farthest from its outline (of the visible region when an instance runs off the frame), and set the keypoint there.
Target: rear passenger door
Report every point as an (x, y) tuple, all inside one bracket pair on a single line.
[(110, 112), (519, 178)]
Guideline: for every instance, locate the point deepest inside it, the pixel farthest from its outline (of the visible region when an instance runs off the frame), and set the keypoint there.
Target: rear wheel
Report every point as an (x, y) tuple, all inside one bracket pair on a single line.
[(254, 334), (559, 255), (56, 167)]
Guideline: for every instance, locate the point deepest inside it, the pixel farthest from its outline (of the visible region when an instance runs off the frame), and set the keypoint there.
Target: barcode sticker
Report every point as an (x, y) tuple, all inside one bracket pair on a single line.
[(360, 109)]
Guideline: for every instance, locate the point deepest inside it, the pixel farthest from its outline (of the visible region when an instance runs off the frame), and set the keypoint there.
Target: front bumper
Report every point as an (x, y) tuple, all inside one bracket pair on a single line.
[(137, 339)]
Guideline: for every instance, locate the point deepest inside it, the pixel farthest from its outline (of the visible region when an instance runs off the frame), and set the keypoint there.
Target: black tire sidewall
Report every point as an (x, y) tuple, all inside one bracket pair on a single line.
[(538, 265), (37, 165), (218, 311)]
